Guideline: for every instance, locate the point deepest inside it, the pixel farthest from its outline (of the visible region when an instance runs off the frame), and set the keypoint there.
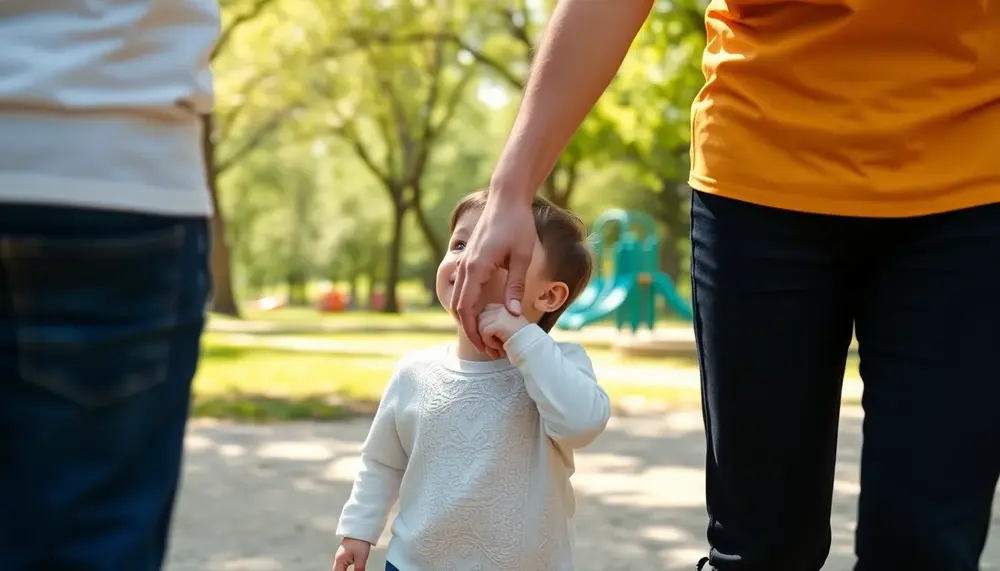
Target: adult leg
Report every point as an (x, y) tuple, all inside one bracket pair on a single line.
[(773, 318), (100, 318), (929, 333)]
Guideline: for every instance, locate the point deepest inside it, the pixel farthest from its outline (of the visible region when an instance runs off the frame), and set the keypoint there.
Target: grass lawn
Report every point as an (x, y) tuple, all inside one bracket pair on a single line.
[(259, 384), (303, 372), (305, 318)]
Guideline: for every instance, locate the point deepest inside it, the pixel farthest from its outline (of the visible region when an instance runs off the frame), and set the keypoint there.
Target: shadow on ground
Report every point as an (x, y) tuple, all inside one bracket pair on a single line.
[(267, 498)]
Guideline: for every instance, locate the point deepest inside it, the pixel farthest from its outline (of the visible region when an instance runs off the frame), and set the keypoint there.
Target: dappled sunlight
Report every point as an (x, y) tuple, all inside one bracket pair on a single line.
[(288, 450), (246, 564), (268, 497), (663, 487), (343, 469)]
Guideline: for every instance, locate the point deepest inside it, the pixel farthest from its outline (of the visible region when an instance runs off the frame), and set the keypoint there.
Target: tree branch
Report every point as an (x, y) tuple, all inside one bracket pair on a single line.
[(257, 137), (519, 31), (400, 120), (499, 68), (415, 164), (450, 107), (349, 133), (568, 188), (225, 122), (227, 33), (391, 156)]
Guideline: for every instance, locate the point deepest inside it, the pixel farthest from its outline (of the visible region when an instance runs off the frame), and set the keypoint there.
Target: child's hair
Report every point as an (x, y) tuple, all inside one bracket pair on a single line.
[(564, 238)]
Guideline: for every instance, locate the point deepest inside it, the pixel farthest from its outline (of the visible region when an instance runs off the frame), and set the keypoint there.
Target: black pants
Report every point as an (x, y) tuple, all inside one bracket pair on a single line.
[(776, 294)]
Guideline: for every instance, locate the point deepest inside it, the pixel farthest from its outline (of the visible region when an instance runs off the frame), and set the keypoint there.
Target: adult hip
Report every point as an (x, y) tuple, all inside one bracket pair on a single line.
[(776, 296), (100, 318)]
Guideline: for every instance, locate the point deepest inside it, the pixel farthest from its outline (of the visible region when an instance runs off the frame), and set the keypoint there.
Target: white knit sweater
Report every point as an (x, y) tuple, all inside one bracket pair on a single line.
[(479, 455)]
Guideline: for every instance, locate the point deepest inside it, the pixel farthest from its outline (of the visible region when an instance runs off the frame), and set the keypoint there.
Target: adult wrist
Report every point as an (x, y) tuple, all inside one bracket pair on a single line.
[(512, 190)]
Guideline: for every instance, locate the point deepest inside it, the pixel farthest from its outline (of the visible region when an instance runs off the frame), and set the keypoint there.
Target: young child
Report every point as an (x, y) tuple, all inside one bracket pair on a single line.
[(479, 451)]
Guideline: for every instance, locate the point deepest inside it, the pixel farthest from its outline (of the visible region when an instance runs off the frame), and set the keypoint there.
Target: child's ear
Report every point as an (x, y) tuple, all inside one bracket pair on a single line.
[(552, 298)]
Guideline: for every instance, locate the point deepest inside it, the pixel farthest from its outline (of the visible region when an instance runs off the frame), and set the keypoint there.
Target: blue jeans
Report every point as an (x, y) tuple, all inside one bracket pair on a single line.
[(100, 319), (776, 296)]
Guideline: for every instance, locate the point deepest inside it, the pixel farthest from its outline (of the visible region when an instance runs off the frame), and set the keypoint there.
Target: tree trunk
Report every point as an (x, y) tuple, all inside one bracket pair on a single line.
[(372, 274), (353, 286), (676, 220), (560, 194), (426, 228), (392, 273), (223, 298), (435, 245), (296, 289), (670, 258)]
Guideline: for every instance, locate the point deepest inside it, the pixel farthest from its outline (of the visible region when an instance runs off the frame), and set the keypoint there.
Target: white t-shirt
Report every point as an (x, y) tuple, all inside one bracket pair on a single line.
[(479, 455), (100, 103)]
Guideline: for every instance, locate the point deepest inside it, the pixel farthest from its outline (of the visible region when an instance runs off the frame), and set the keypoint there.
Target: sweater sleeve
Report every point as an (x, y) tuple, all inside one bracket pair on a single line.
[(560, 378), (383, 461)]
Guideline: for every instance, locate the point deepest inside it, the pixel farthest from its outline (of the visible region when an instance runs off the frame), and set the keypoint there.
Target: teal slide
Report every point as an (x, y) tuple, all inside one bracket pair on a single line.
[(587, 297), (665, 287), (615, 294), (611, 299), (630, 292)]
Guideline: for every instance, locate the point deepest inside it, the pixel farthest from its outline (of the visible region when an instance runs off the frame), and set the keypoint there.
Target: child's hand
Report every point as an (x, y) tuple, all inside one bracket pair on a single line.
[(497, 322), (352, 552)]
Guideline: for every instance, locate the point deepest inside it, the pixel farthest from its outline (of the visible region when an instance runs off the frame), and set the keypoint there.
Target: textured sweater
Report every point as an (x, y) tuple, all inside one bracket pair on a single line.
[(479, 455)]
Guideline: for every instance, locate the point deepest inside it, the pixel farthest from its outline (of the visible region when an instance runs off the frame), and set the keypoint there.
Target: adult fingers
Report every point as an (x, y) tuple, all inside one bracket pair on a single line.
[(517, 271), (456, 290), (468, 287)]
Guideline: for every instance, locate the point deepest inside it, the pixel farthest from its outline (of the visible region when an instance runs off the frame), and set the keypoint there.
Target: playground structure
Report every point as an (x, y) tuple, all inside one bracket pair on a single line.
[(631, 290)]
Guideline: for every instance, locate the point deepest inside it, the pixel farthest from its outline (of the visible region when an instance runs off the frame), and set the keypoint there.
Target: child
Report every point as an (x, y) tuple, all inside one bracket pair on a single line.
[(479, 451)]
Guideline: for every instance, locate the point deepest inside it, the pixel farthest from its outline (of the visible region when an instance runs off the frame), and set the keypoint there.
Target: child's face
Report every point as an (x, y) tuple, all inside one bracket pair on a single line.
[(541, 294)]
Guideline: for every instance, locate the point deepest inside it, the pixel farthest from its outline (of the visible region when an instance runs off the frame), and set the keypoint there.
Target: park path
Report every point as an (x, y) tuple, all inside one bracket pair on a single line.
[(267, 498)]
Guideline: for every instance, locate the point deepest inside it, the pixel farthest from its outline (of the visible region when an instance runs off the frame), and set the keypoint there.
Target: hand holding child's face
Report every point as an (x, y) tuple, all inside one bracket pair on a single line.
[(498, 323)]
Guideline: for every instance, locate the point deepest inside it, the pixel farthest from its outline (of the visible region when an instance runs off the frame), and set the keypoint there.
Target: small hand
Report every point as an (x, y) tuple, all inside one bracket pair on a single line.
[(352, 552), (498, 324)]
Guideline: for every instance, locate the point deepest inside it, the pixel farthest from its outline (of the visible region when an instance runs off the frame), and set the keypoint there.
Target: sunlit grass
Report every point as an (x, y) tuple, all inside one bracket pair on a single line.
[(328, 367)]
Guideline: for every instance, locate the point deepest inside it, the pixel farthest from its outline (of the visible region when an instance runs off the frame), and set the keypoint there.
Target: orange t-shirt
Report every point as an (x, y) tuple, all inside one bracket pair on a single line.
[(853, 107)]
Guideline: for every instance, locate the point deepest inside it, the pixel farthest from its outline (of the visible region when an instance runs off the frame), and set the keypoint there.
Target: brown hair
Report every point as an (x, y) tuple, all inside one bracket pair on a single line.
[(564, 238)]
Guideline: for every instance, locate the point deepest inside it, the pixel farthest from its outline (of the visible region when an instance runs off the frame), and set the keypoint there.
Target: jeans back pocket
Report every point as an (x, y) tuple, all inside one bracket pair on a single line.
[(94, 316)]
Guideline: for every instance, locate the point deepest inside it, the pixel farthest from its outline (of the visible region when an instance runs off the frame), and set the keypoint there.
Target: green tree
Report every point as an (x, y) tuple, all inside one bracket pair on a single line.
[(504, 41), (649, 106), (392, 102)]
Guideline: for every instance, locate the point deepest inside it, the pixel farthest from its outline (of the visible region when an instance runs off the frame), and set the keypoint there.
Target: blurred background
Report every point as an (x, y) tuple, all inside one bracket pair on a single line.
[(344, 133)]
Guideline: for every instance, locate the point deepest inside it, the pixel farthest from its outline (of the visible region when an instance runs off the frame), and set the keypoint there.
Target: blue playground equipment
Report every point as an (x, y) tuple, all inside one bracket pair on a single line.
[(631, 290)]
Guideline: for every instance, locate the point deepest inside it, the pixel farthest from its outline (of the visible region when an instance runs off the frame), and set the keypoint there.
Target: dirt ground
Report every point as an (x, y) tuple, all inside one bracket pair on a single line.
[(267, 498)]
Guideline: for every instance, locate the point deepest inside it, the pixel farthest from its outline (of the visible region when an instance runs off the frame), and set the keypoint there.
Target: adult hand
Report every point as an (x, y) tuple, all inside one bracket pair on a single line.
[(504, 238)]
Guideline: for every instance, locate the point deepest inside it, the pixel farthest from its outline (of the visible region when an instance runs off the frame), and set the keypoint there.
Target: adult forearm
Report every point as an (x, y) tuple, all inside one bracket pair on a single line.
[(583, 47)]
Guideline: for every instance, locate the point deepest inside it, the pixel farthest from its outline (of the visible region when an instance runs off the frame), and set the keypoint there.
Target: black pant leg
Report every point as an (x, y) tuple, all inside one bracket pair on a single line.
[(773, 297), (929, 335)]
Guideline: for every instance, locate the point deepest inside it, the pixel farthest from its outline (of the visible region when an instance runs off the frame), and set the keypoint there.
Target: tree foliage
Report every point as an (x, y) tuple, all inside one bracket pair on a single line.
[(345, 131)]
